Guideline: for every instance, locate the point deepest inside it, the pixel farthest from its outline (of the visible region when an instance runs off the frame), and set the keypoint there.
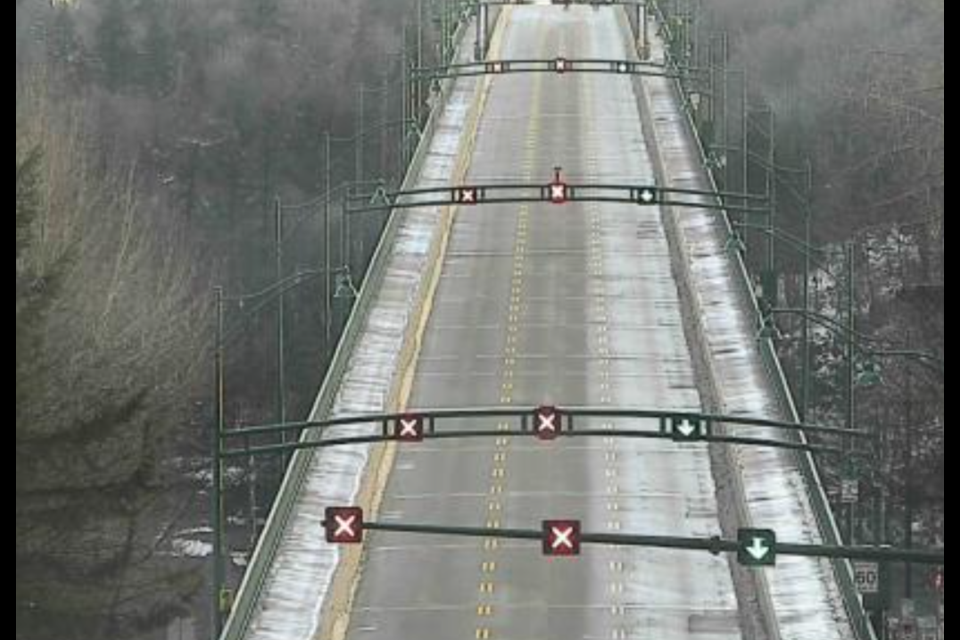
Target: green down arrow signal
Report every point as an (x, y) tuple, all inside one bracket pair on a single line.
[(757, 547)]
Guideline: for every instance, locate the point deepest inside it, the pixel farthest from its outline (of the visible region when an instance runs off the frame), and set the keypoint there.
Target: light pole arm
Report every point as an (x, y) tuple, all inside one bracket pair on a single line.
[(267, 295), (924, 357)]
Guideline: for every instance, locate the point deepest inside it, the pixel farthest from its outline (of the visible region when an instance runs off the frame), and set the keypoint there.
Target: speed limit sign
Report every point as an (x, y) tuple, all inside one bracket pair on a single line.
[(867, 577)]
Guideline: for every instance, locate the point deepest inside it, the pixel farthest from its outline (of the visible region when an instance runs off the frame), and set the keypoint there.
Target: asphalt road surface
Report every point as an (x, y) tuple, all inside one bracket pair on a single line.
[(567, 305)]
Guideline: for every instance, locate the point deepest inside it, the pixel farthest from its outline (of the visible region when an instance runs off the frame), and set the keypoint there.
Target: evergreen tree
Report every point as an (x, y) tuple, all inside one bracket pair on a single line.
[(28, 201)]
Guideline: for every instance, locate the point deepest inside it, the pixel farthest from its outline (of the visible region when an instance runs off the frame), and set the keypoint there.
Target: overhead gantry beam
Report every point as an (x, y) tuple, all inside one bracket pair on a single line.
[(557, 66), (557, 192), (546, 423)]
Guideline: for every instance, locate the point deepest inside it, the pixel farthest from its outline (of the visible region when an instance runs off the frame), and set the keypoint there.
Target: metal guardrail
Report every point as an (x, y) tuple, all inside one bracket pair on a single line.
[(268, 545)]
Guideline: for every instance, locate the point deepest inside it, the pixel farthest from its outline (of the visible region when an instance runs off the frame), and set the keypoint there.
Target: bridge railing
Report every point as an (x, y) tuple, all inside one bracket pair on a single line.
[(827, 523), (255, 578)]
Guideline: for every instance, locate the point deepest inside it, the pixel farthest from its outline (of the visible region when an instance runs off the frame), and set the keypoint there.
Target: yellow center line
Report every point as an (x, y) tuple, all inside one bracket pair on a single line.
[(515, 313), (602, 342)]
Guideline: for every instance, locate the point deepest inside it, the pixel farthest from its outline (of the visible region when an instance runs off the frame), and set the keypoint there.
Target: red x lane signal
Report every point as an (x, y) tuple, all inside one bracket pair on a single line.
[(344, 525), (559, 190), (559, 193), (561, 537), (561, 65), (409, 428), (547, 423), (466, 195)]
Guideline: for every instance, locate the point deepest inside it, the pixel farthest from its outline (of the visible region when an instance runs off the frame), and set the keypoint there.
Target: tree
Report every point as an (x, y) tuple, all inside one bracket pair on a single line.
[(114, 44), (107, 355), (27, 198)]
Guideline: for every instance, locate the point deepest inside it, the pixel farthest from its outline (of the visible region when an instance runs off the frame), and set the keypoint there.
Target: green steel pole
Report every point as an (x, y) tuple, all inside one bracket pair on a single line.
[(909, 491), (646, 31), (745, 140), (281, 382), (444, 28), (723, 81), (346, 237), (851, 368), (806, 363), (478, 42), (216, 476), (328, 277), (486, 31), (771, 217), (451, 26), (404, 110), (385, 116), (419, 91), (358, 146)]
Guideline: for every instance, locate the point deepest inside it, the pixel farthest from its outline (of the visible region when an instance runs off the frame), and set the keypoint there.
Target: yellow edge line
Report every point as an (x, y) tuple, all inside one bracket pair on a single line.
[(348, 574)]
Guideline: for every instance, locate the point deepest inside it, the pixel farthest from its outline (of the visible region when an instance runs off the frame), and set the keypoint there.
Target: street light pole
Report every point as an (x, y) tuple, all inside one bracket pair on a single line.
[(851, 404), (328, 283), (908, 508), (358, 149), (745, 137), (218, 599), (645, 29), (221, 598), (771, 285), (418, 92), (281, 412), (478, 46), (806, 364)]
